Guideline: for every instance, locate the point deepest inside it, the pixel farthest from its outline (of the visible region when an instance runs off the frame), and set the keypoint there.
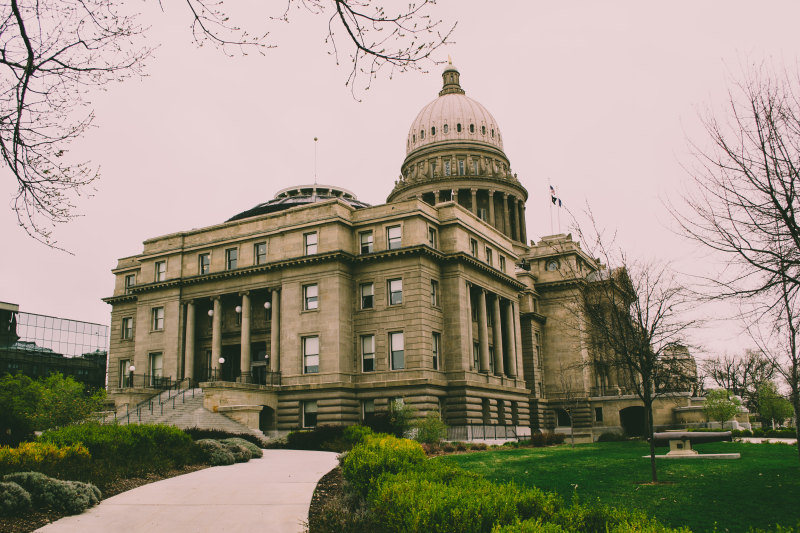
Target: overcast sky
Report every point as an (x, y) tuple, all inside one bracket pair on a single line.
[(598, 98)]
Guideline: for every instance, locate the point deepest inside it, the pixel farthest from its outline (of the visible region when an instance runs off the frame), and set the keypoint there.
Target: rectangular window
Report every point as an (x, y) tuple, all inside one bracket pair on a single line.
[(537, 350), (368, 353), (502, 263), (127, 328), (489, 256), (473, 247), (366, 242), (367, 410), (394, 237), (476, 355), (437, 343), (231, 258), (156, 367), (310, 355), (125, 373), (204, 263), (367, 295), (434, 292), (461, 167), (161, 270), (395, 291), (310, 414), (483, 214), (447, 167), (397, 350), (491, 359), (158, 318), (432, 237), (598, 414), (260, 253), (130, 280), (310, 243), (310, 297)]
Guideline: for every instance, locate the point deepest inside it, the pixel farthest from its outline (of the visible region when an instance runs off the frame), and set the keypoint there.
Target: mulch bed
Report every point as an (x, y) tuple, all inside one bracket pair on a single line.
[(329, 485), (36, 519)]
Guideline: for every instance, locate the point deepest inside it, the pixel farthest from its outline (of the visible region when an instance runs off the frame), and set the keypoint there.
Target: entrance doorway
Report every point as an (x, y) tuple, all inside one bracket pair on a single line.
[(633, 421)]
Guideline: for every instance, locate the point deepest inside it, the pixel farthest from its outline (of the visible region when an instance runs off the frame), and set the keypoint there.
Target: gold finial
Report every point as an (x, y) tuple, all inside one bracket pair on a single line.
[(449, 59)]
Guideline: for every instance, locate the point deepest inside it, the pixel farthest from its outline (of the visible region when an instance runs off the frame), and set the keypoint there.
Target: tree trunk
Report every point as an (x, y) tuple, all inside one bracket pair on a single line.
[(649, 421), (796, 405)]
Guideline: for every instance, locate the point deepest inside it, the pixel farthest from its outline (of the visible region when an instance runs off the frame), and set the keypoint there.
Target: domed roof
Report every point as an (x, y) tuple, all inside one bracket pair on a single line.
[(453, 117), (301, 195)]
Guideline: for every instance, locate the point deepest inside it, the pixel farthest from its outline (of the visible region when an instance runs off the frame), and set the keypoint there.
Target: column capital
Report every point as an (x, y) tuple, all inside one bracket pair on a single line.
[(244, 293), (506, 195), (189, 301), (473, 189), (215, 298)]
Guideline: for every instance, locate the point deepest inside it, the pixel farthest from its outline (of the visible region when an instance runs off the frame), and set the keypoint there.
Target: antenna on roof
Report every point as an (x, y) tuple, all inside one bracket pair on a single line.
[(315, 160)]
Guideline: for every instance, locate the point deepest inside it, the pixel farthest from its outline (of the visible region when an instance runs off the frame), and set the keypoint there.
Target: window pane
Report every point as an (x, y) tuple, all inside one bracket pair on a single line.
[(396, 346), (367, 292), (395, 291), (394, 236), (311, 299), (366, 242)]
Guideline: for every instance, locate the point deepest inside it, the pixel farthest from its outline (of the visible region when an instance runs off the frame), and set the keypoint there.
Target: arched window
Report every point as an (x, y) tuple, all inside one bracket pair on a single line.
[(414, 138), (472, 128), (446, 128), (433, 131), (483, 130), (421, 134), (458, 128), (492, 133)]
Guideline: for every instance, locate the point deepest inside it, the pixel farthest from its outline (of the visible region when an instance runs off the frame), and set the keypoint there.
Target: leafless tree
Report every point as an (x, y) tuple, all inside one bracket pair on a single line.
[(571, 394), (744, 204), (53, 53), (742, 374)]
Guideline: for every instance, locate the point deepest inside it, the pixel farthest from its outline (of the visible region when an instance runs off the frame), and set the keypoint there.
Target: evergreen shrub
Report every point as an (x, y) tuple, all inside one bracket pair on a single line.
[(356, 433), (65, 462), (324, 438), (71, 497), (215, 453), (14, 500), (219, 434), (254, 450), (239, 452)]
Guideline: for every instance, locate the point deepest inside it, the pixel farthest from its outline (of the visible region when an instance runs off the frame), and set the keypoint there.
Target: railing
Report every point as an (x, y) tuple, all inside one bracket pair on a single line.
[(258, 377), (481, 431), (147, 381), (172, 394)]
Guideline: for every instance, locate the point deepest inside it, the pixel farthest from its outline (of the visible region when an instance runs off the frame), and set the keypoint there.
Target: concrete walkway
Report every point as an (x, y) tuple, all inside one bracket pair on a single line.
[(268, 494)]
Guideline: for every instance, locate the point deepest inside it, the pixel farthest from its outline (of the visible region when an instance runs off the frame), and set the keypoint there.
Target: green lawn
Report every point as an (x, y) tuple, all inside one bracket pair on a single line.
[(760, 489)]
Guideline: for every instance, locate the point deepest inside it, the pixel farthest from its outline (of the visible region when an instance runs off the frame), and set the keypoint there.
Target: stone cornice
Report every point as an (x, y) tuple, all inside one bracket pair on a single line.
[(541, 319)]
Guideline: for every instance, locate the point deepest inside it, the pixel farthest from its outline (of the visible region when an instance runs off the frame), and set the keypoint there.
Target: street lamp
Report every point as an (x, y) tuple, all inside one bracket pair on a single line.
[(131, 369), (210, 312), (267, 304)]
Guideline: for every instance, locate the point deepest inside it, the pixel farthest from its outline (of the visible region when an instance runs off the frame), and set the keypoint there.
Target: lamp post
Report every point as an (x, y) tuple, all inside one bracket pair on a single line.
[(131, 369)]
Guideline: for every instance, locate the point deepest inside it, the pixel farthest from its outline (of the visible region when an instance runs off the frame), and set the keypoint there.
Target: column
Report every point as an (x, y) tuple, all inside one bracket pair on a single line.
[(483, 332), (517, 233), (474, 201), (216, 336), (511, 340), (275, 332), (522, 223), (497, 336), (469, 325), (491, 208), (188, 347), (245, 359), (506, 217)]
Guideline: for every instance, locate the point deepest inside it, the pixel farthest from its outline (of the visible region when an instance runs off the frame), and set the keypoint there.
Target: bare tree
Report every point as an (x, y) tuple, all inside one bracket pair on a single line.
[(53, 53), (744, 205), (571, 395), (743, 375)]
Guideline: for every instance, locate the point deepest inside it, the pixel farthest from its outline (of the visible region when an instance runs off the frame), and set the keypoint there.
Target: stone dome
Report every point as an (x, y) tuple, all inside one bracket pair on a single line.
[(301, 195), (453, 117)]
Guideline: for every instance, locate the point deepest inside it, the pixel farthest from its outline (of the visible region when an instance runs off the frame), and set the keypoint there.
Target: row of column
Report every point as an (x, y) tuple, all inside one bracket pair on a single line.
[(517, 212), (216, 334), (503, 333)]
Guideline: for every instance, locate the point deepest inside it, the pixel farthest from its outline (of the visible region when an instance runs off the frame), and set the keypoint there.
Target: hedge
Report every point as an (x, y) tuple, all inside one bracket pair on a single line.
[(65, 462)]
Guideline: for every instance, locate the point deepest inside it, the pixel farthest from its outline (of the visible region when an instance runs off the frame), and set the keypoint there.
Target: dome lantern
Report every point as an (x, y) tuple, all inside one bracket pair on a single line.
[(450, 76)]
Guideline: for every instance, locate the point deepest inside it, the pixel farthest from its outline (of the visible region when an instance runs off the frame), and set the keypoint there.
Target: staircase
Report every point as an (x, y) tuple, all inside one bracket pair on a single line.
[(184, 410)]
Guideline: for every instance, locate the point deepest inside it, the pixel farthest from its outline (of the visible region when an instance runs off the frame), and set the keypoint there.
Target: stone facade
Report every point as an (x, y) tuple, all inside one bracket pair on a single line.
[(315, 308)]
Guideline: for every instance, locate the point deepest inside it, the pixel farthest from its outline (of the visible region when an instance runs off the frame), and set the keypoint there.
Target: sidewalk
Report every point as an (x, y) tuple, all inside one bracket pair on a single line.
[(268, 494)]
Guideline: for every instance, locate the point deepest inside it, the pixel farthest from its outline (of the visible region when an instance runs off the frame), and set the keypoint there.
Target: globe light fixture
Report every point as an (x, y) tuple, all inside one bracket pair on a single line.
[(267, 305), (131, 368), (222, 360), (210, 312), (238, 309)]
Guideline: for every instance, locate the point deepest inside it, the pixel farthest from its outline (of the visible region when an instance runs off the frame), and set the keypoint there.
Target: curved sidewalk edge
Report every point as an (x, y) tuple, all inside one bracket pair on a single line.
[(268, 494)]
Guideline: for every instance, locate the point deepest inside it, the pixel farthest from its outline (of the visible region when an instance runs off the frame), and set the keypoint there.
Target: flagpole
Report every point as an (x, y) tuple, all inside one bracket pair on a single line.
[(551, 207)]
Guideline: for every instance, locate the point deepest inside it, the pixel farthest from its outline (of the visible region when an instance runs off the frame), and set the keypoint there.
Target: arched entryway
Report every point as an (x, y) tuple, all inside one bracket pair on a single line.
[(266, 418), (632, 420)]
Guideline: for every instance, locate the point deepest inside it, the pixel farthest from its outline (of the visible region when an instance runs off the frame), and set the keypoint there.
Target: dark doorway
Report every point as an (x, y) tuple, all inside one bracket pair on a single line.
[(266, 419), (231, 368), (632, 420)]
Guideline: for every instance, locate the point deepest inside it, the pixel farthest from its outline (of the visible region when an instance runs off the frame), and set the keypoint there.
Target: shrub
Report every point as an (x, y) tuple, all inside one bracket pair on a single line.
[(546, 439), (219, 434), (590, 519), (71, 497), (431, 429), (215, 453), (611, 436), (377, 455), (14, 500), (460, 446), (431, 449), (254, 450), (479, 446), (70, 461), (325, 438), (239, 452), (355, 434)]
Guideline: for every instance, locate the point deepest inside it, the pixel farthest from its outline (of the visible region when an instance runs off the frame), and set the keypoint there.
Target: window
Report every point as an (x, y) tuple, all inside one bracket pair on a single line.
[(310, 355), (476, 355), (473, 247), (445, 128), (491, 359), (421, 134), (127, 328), (395, 291), (231, 258), (310, 241), (562, 418), (161, 270), (366, 242), (447, 167), (158, 318), (310, 297), (458, 127), (130, 280), (394, 237), (204, 263), (156, 367), (125, 373), (483, 214), (598, 414), (502, 263), (537, 349), (483, 130), (309, 413), (432, 237), (367, 295), (367, 410), (260, 253), (434, 292), (433, 131), (396, 349), (472, 128), (437, 343), (489, 258), (461, 169), (368, 353)]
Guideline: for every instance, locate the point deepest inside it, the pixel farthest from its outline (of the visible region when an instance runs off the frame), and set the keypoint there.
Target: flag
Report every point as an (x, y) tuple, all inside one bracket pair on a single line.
[(553, 198)]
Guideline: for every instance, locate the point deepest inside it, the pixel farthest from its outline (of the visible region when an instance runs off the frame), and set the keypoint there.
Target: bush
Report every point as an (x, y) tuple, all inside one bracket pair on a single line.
[(130, 450), (355, 434), (254, 450), (71, 497), (14, 500), (431, 429), (546, 439), (590, 519), (65, 462), (377, 455), (479, 446), (219, 434), (215, 453), (324, 438), (239, 452), (611, 436)]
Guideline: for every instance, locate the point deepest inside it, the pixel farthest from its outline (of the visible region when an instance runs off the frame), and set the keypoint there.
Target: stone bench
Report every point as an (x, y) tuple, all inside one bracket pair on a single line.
[(680, 442)]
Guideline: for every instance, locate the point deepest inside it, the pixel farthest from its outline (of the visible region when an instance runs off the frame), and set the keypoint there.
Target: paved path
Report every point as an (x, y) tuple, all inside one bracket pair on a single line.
[(268, 494)]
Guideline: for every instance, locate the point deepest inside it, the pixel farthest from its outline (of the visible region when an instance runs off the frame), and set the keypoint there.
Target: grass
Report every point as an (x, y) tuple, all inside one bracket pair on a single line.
[(760, 490)]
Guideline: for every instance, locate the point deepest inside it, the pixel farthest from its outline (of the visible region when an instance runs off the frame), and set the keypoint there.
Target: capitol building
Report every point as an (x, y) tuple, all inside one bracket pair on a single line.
[(315, 308)]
